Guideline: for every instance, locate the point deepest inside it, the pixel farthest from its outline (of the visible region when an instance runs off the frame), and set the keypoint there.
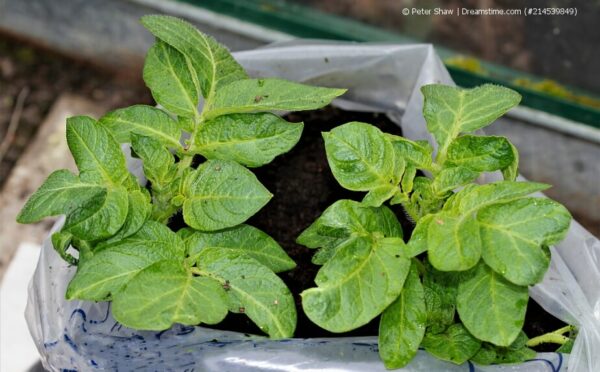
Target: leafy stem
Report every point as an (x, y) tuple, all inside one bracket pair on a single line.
[(121, 229), (484, 244), (554, 337)]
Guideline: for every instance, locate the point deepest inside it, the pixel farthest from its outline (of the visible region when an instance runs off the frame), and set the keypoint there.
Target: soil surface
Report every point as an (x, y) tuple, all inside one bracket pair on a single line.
[(39, 77), (304, 187)]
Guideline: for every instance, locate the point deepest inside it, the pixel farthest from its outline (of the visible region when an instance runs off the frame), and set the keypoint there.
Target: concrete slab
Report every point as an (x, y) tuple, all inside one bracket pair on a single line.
[(17, 350)]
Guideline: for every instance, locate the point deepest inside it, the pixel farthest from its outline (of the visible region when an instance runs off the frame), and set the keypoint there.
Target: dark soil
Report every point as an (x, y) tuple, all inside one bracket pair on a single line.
[(41, 76), (304, 187)]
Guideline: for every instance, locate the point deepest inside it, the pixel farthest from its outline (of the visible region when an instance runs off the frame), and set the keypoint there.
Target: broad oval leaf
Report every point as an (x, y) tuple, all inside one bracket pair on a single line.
[(491, 307), (360, 156), (440, 298), (252, 289), (513, 234), (451, 178), (61, 193), (61, 241), (243, 239), (417, 153), (480, 154), (256, 95), (511, 172), (158, 162), (138, 211), (98, 156), (346, 218), (474, 197), (171, 79), (453, 242), (450, 111), (402, 324), (143, 120), (221, 194), (108, 270), (99, 217), (212, 62), (455, 345), (377, 196), (249, 139), (418, 240), (355, 285), (517, 352), (165, 293)]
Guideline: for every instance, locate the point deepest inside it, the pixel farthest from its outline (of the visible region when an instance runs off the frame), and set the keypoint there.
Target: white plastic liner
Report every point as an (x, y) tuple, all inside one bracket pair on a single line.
[(83, 336)]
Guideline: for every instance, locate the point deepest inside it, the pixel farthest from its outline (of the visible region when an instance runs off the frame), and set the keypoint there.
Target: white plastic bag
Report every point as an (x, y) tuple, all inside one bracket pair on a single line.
[(83, 336)]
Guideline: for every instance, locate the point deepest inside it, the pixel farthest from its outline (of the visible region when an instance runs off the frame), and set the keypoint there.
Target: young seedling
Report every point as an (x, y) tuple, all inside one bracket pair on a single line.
[(459, 286), (126, 252)]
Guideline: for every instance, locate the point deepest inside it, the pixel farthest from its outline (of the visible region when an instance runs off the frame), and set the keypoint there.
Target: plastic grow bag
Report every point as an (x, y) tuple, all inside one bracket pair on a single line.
[(83, 336)]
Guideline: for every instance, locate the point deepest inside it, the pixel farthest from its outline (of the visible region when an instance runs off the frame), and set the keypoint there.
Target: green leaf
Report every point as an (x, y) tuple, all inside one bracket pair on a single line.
[(172, 80), (165, 293), (360, 156), (416, 153), (450, 178), (143, 120), (440, 298), (453, 236), (99, 217), (492, 308), (98, 156), (450, 111), (513, 234), (323, 255), (61, 193), (511, 172), (252, 289), (565, 348), (456, 345), (109, 269), (221, 194), (210, 60), (402, 324), (138, 212), (474, 197), (243, 239), (408, 178), (480, 154), (517, 352), (346, 219), (423, 199), (453, 242), (379, 195), (418, 240), (256, 95), (355, 285), (158, 162), (61, 241), (249, 139)]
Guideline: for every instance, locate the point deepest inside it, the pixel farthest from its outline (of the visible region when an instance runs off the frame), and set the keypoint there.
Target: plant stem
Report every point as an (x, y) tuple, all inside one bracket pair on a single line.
[(548, 338), (420, 266), (554, 337), (197, 271)]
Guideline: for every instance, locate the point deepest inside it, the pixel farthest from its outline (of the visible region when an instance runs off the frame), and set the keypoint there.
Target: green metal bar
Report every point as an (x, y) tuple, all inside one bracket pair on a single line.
[(305, 22)]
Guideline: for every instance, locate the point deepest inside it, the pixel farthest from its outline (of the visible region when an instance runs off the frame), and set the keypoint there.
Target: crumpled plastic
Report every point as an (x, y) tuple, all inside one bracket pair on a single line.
[(83, 336)]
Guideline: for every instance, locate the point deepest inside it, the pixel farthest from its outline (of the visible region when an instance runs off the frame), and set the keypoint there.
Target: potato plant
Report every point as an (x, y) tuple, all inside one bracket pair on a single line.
[(116, 231), (459, 286)]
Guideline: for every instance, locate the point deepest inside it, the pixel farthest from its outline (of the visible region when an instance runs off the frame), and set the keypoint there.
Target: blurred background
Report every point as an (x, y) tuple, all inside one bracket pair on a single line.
[(64, 57)]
